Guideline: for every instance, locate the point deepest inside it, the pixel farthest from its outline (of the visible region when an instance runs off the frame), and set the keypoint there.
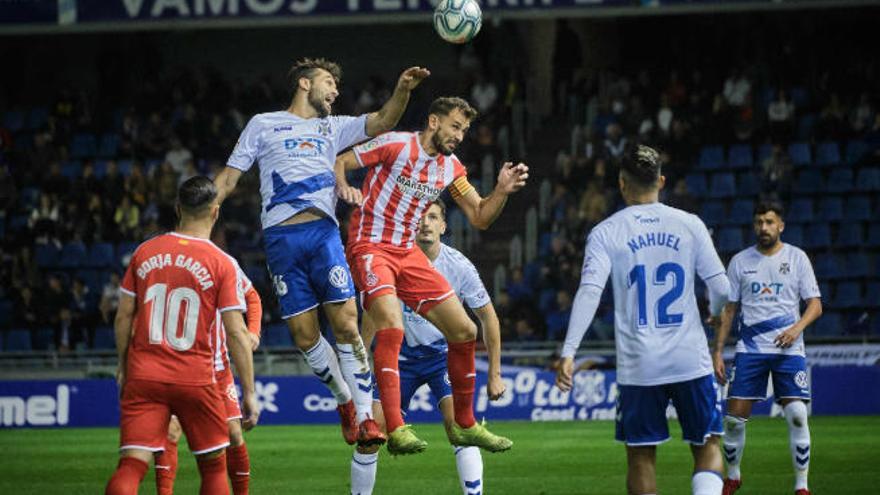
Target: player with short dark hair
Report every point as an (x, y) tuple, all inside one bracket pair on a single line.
[(407, 172), (653, 254), (296, 149), (768, 282), (175, 287)]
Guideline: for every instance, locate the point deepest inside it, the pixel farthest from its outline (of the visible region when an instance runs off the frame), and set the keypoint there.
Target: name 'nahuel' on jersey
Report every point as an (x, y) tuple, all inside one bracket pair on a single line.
[(296, 158), (421, 337), (769, 290), (652, 253)]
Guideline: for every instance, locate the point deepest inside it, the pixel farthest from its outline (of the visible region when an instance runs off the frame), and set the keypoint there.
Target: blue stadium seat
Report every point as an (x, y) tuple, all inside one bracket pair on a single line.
[(123, 250), (124, 166), (874, 236), (38, 118), (29, 197), (713, 212), (13, 120), (858, 208), (24, 141), (73, 255), (809, 182), (44, 339), (711, 158), (827, 153), (800, 96), (17, 223), (18, 339), (93, 279), (83, 145), (741, 212), (740, 156), (109, 145), (104, 338), (829, 325), (871, 292), (793, 234), (748, 184), (71, 169), (805, 126), (99, 167), (547, 300), (817, 236), (847, 295), (800, 154), (46, 255), (855, 150), (840, 180), (5, 313), (730, 240), (830, 209), (697, 184), (868, 179), (101, 255), (801, 211), (827, 267), (723, 185), (857, 265), (277, 335), (825, 290), (850, 235)]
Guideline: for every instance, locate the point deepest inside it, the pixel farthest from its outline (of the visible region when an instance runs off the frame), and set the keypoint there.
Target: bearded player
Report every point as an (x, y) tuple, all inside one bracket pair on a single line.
[(407, 172)]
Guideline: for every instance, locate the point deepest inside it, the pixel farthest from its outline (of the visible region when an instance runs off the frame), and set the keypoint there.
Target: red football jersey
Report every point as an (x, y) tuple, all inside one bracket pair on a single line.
[(180, 285)]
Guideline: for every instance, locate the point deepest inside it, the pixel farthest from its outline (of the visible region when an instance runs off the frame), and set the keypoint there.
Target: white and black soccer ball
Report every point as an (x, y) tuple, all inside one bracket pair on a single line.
[(458, 21)]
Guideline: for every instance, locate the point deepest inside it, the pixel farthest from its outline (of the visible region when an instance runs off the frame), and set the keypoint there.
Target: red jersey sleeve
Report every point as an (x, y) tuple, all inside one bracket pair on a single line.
[(230, 294), (254, 310), (127, 286), (382, 149), (460, 185)]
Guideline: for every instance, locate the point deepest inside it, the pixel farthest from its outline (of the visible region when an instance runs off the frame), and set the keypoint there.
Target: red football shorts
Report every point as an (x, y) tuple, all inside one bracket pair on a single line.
[(147, 407), (226, 386), (380, 269)]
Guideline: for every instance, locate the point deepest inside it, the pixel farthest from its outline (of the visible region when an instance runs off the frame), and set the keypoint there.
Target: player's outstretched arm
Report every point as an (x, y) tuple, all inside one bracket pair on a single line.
[(225, 182), (122, 329), (586, 302), (240, 350), (492, 338), (722, 326), (482, 212), (254, 316), (389, 115), (344, 190)]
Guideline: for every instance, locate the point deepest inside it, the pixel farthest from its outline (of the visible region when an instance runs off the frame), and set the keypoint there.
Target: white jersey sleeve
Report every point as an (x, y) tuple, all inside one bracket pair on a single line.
[(248, 147), (350, 130), (472, 292), (733, 277), (809, 287), (597, 262)]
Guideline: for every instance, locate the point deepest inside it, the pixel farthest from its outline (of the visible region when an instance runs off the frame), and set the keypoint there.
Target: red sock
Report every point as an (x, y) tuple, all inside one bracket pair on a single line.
[(463, 377), (238, 465), (166, 468), (213, 473), (127, 478), (385, 356)]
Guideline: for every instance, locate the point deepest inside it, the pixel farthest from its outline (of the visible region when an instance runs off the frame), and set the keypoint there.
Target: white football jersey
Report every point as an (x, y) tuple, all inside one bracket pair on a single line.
[(296, 158), (769, 290), (653, 253), (422, 338)]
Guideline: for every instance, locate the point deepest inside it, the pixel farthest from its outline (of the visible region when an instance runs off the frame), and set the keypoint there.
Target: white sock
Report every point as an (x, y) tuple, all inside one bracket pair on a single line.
[(734, 443), (363, 473), (356, 370), (470, 469), (798, 441), (325, 366), (707, 483)]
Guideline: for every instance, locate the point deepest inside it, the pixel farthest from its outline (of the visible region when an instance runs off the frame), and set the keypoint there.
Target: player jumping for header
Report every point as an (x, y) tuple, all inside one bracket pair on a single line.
[(408, 171), (296, 149)]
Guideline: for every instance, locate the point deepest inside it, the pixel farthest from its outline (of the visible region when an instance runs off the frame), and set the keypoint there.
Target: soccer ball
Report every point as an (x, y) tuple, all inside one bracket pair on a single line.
[(458, 21)]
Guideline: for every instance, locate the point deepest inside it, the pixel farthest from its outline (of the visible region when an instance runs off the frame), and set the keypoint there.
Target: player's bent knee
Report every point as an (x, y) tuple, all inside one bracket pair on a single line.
[(207, 456), (139, 454)]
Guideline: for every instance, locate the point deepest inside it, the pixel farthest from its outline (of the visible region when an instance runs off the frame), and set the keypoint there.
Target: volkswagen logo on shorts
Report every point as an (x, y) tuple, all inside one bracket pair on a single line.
[(339, 277), (800, 379)]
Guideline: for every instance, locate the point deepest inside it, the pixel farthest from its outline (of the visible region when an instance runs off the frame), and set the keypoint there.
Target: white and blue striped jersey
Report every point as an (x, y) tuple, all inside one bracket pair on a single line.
[(296, 158), (769, 290), (653, 253), (422, 338)]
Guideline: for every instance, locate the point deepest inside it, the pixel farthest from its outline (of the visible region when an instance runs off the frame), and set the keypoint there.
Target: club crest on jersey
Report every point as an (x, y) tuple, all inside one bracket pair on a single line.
[(784, 268), (338, 277), (800, 379), (304, 147), (372, 279), (324, 128)]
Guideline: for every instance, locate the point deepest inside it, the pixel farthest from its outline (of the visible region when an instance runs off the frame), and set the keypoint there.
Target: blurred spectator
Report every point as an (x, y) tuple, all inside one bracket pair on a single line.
[(517, 288), (776, 173), (484, 94), (109, 298), (43, 220), (557, 319), (178, 156), (681, 198), (127, 218), (524, 331), (82, 316), (56, 310), (26, 313), (594, 204), (736, 88), (780, 115)]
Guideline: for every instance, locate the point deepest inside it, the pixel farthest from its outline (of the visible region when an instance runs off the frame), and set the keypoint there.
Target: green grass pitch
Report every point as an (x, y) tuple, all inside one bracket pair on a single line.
[(547, 458)]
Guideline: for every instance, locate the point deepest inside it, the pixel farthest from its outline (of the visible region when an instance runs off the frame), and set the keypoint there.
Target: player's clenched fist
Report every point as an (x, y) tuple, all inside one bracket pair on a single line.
[(250, 410), (512, 177), (563, 374)]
